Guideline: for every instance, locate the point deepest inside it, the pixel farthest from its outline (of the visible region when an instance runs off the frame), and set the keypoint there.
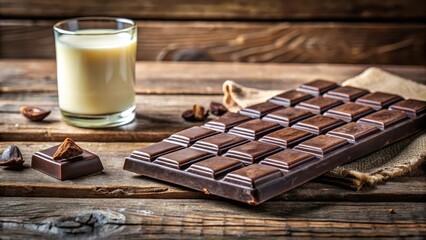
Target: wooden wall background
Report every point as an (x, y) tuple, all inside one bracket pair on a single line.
[(285, 31)]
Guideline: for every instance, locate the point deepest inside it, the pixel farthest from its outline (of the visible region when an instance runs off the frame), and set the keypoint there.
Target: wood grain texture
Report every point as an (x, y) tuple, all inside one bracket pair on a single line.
[(194, 219), (368, 43), (219, 9), (114, 182), (196, 78)]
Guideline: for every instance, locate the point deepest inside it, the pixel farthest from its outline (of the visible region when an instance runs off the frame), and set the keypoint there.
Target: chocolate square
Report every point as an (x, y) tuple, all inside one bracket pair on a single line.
[(287, 116), (226, 122), (383, 118), (317, 87), (411, 107), (290, 98), (85, 164), (353, 132), (287, 137), (253, 176), (321, 145), (346, 94), (259, 110), (151, 152), (254, 129), (182, 158), (188, 136), (319, 104), (349, 112), (215, 167), (220, 143), (252, 152), (318, 124), (287, 159), (378, 100)]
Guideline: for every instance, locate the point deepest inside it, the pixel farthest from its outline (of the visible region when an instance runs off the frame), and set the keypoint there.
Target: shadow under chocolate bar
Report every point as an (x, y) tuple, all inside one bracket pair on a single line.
[(279, 145)]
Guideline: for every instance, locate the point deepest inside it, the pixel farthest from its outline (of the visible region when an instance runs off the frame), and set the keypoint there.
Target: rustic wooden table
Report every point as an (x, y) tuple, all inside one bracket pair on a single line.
[(119, 204)]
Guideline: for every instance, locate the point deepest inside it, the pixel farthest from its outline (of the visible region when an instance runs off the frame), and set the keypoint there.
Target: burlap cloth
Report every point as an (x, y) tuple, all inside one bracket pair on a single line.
[(395, 160)]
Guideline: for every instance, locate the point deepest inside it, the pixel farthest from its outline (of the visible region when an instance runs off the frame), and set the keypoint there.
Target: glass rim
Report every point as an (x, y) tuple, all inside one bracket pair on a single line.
[(57, 27)]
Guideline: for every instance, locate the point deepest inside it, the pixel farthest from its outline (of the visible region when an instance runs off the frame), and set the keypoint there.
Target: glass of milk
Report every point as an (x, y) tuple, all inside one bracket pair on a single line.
[(96, 71)]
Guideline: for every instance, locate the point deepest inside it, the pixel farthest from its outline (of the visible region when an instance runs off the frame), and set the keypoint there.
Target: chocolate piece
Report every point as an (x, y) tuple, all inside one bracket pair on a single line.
[(215, 167), (287, 116), (68, 149), (290, 98), (196, 114), (151, 152), (349, 112), (317, 87), (353, 131), (182, 158), (318, 124), (254, 129), (346, 94), (188, 136), (411, 107), (378, 100), (252, 152), (383, 118), (217, 109), (321, 145), (84, 164), (287, 159), (226, 122), (259, 110), (12, 158), (287, 137), (253, 176), (34, 113), (319, 104), (220, 143)]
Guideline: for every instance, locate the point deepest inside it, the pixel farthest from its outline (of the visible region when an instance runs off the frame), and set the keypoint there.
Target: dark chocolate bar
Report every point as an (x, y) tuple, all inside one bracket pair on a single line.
[(84, 164), (259, 159)]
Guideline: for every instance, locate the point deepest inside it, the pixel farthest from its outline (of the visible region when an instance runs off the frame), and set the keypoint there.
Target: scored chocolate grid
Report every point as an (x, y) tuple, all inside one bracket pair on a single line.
[(250, 177)]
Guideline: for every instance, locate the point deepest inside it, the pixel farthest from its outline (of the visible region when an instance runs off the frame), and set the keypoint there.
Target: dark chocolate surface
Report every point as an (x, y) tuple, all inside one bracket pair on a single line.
[(259, 110), (290, 98), (151, 152), (411, 107), (319, 104), (253, 176), (378, 100), (219, 143), (349, 112), (182, 158), (317, 87), (226, 122), (188, 136), (353, 131), (383, 118), (321, 145), (287, 137), (318, 124), (215, 167), (288, 159), (287, 116), (254, 129), (346, 93), (64, 169), (252, 152)]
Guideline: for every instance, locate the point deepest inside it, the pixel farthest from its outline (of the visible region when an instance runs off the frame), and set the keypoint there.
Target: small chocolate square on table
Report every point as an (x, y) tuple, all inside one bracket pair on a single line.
[(151, 152), (287, 137), (252, 152), (353, 132), (259, 110), (378, 100), (318, 124), (287, 116), (411, 107), (383, 118), (253, 176), (321, 145), (254, 129), (84, 164), (317, 87), (215, 167), (287, 159), (346, 94), (182, 158), (226, 122), (220, 143), (188, 136), (349, 112), (290, 98), (319, 104)]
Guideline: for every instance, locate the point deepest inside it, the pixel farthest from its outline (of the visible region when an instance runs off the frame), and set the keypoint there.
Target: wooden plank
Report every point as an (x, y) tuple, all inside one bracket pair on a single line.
[(219, 9), (196, 78), (115, 182), (194, 219), (370, 43)]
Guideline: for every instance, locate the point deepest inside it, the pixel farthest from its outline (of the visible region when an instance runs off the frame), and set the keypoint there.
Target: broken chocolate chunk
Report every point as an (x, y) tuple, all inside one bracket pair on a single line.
[(67, 149), (217, 109), (12, 158), (197, 114), (34, 113)]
